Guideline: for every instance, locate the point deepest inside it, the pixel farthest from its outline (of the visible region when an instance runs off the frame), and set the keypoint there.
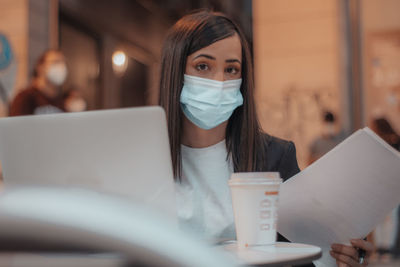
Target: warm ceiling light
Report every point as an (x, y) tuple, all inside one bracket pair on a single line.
[(120, 62), (119, 58)]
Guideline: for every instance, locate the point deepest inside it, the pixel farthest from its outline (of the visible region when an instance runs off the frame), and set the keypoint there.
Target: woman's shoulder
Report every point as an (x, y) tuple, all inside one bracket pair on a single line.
[(276, 144), (280, 156)]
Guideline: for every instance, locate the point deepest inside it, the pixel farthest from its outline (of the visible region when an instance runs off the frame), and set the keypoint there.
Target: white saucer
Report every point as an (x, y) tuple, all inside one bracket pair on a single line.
[(271, 255)]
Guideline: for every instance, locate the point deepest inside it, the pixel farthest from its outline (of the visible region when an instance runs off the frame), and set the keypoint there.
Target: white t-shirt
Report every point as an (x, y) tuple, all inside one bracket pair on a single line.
[(203, 196)]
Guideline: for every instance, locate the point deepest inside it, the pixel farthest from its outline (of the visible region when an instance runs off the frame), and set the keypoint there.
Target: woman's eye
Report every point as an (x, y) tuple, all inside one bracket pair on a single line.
[(202, 67), (232, 70)]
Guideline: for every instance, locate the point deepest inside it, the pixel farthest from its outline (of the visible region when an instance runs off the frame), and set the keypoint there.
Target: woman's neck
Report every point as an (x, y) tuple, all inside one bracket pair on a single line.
[(196, 137)]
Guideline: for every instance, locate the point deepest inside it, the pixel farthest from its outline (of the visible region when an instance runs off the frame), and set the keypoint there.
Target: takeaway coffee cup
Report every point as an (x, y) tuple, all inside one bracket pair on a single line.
[(255, 200)]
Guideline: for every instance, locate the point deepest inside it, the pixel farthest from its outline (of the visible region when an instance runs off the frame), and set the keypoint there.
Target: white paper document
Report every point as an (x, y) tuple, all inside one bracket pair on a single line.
[(343, 195)]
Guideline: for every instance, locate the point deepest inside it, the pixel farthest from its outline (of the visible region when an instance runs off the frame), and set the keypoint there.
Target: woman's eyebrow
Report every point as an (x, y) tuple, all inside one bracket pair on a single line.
[(206, 56), (233, 60), (213, 58)]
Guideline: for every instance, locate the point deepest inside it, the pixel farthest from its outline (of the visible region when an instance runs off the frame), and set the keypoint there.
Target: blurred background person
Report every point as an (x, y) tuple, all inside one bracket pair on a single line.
[(43, 95), (329, 138), (384, 129), (386, 235)]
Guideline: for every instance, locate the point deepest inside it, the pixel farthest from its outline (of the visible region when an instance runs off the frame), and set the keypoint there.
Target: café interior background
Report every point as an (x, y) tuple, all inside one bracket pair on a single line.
[(310, 55)]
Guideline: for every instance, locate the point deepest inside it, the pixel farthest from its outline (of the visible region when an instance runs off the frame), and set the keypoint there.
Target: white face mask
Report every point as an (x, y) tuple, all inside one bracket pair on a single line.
[(207, 103), (57, 73)]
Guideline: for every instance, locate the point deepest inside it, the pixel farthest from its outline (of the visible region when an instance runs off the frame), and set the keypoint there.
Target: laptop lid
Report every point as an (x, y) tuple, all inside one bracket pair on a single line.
[(122, 151)]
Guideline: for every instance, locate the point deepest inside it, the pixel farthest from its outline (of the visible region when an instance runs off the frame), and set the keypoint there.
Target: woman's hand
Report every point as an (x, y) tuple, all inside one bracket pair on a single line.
[(348, 255)]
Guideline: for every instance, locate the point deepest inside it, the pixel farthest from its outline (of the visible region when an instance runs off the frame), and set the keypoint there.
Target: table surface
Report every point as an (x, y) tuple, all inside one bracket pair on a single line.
[(281, 253)]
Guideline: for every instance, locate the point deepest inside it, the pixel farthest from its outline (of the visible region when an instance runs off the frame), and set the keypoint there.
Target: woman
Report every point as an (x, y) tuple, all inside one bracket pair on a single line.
[(43, 96), (207, 91)]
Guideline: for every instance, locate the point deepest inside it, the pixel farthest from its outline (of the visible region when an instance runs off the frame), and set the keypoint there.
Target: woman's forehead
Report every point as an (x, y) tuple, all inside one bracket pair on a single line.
[(227, 47)]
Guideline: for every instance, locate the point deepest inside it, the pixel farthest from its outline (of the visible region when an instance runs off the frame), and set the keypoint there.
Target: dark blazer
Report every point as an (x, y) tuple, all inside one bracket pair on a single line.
[(281, 157)]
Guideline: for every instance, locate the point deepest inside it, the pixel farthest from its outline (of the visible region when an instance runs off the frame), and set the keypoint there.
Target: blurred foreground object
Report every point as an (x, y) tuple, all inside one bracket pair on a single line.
[(49, 219)]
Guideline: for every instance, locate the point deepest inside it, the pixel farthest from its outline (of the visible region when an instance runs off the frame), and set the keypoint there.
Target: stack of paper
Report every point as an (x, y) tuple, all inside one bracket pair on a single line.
[(343, 195)]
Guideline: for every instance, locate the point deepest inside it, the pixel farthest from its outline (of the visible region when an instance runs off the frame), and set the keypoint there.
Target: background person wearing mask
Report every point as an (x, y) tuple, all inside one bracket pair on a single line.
[(329, 138), (43, 95)]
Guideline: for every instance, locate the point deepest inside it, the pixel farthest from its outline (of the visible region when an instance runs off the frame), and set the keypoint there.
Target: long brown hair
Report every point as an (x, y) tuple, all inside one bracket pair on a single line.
[(243, 133)]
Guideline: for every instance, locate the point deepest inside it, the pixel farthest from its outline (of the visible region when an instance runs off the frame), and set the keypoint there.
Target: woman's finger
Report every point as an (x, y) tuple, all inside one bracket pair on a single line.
[(346, 250), (341, 264), (365, 245), (344, 260)]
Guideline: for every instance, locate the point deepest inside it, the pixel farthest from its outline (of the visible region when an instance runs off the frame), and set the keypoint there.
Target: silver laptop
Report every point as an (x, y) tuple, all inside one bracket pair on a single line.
[(122, 151)]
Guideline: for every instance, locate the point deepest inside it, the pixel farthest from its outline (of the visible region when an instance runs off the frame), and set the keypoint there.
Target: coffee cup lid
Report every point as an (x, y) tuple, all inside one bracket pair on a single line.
[(255, 178), (256, 175)]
